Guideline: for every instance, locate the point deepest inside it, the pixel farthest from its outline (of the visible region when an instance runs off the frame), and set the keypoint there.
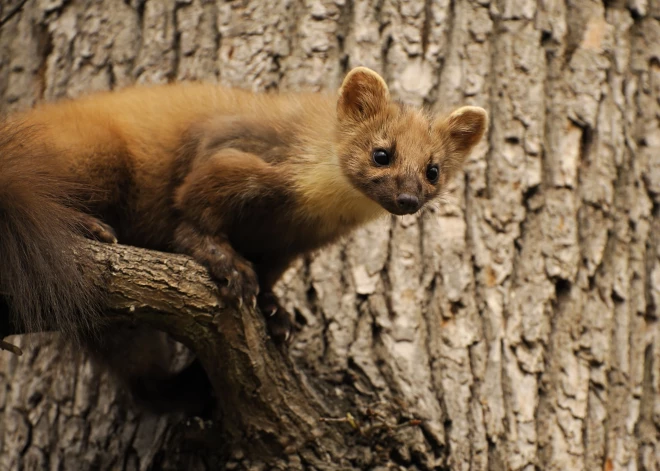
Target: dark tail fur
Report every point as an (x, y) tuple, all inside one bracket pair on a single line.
[(39, 231)]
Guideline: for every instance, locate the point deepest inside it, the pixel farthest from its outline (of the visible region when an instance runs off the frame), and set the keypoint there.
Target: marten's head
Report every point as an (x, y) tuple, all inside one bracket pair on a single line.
[(397, 155)]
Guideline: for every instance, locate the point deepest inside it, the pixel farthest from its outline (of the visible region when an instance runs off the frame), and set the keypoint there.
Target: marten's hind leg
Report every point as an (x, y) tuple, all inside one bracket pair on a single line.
[(94, 228)]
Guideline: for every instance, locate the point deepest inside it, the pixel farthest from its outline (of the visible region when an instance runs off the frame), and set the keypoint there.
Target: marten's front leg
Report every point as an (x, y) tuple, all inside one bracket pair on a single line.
[(234, 275), (278, 319), (213, 197)]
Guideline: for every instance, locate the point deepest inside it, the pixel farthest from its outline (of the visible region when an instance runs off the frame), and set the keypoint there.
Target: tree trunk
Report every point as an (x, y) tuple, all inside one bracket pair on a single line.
[(514, 327)]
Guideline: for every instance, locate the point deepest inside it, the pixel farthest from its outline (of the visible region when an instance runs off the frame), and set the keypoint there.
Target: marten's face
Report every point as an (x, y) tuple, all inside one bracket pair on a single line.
[(396, 155)]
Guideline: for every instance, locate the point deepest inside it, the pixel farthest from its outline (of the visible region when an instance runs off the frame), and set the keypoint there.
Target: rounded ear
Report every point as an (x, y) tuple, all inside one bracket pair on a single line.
[(362, 94), (463, 129)]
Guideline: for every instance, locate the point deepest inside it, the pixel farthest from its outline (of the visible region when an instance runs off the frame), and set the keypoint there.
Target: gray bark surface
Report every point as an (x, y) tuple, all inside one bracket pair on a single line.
[(518, 320)]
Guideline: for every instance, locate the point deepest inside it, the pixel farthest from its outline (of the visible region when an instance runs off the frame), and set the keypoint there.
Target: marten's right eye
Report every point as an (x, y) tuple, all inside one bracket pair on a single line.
[(381, 157)]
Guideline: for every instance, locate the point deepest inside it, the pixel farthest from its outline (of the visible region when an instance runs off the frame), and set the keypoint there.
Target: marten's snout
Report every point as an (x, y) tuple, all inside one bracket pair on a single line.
[(407, 203)]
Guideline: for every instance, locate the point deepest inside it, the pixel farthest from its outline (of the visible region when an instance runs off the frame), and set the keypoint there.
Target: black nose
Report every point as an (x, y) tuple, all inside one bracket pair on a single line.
[(407, 202)]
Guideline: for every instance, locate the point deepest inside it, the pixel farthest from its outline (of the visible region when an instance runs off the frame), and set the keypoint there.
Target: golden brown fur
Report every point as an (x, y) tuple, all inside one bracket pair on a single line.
[(243, 182)]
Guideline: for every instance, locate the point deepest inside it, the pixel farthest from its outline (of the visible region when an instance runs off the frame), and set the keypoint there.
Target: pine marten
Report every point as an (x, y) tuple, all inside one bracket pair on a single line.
[(242, 182)]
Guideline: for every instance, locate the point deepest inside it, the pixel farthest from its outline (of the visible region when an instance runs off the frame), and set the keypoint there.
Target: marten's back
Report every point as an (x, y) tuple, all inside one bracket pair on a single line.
[(149, 121)]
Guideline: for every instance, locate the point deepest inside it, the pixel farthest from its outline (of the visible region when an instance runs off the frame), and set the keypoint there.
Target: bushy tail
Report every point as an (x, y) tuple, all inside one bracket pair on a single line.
[(39, 233)]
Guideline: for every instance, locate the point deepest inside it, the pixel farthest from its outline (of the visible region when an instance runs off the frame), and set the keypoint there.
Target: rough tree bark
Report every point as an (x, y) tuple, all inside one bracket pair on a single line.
[(519, 321)]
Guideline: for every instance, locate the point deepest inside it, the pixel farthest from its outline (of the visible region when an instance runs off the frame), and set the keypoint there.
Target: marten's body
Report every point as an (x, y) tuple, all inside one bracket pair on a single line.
[(136, 146), (242, 182)]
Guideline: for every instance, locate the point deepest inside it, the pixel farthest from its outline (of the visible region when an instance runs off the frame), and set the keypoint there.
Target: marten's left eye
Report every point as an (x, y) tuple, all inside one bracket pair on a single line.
[(432, 174)]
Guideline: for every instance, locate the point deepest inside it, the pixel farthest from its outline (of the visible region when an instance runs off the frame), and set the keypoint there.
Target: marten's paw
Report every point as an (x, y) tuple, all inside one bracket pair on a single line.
[(97, 230), (234, 275), (278, 319)]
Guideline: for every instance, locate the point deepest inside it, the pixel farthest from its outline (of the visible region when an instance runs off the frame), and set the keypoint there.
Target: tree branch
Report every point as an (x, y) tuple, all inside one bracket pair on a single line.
[(265, 408)]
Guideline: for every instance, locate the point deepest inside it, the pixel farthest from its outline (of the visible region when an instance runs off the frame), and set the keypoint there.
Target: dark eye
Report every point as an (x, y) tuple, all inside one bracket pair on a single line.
[(432, 173), (381, 157)]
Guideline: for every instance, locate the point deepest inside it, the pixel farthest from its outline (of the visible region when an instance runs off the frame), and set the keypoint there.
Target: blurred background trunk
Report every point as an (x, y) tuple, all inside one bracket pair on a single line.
[(519, 320)]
